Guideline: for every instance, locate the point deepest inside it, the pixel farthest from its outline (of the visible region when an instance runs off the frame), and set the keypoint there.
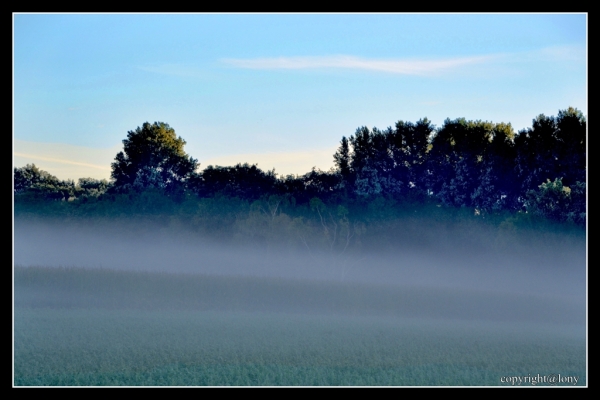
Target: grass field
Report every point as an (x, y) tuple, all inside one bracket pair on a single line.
[(101, 327)]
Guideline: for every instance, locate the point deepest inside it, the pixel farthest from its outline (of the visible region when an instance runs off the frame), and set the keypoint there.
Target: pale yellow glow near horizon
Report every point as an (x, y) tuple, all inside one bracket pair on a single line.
[(67, 161), (285, 163)]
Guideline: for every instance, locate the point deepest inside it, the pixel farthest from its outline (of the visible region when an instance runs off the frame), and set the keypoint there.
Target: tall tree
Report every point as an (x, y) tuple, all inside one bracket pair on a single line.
[(497, 185), (152, 157), (571, 137), (456, 160), (408, 145), (342, 159), (554, 147), (362, 149)]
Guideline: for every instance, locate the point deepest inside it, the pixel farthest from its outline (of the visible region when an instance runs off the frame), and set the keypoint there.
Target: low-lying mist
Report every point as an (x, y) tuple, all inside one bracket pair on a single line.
[(546, 273)]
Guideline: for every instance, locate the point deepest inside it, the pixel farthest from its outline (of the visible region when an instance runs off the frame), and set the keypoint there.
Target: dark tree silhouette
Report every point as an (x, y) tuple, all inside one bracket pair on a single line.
[(152, 157), (242, 180), (464, 163), (497, 188), (32, 181), (342, 159), (571, 137), (408, 144)]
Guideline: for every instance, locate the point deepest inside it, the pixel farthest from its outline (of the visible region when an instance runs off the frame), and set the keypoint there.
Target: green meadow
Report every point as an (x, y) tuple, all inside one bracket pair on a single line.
[(85, 327)]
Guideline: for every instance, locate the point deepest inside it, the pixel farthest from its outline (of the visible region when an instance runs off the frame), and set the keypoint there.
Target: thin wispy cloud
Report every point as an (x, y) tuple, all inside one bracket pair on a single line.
[(61, 161), (421, 67), (563, 53)]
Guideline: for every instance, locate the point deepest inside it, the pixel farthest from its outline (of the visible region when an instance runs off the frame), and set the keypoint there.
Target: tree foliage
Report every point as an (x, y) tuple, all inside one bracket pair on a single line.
[(36, 183), (467, 164), (553, 147), (152, 157), (555, 201), (242, 180)]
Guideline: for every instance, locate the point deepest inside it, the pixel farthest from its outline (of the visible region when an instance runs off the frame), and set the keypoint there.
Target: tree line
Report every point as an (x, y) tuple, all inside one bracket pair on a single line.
[(476, 165)]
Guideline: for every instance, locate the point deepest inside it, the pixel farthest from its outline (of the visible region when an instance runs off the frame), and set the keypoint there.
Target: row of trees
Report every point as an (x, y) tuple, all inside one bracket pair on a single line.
[(474, 164), (33, 183)]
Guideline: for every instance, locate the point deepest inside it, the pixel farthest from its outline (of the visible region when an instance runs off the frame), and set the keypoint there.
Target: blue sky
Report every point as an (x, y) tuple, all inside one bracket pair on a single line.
[(279, 90)]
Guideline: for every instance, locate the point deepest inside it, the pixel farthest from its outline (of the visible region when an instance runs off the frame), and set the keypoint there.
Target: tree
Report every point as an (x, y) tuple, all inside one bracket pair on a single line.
[(571, 136), (408, 144), (497, 183), (372, 163), (537, 158), (456, 160), (30, 176), (555, 201), (90, 187), (242, 180), (554, 147), (152, 157), (362, 149), (342, 159), (324, 184), (38, 183)]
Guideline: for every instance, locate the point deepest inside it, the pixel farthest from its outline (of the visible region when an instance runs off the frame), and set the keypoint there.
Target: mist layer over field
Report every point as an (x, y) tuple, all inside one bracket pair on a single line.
[(546, 267), (444, 313)]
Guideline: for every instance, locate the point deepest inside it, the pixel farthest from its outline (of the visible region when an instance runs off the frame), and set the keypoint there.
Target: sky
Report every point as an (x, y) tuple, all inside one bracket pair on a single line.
[(277, 90)]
